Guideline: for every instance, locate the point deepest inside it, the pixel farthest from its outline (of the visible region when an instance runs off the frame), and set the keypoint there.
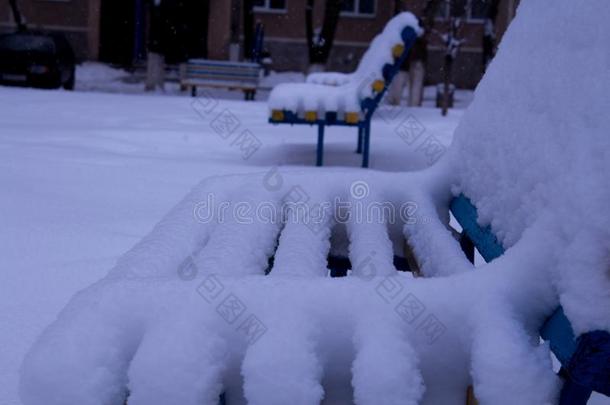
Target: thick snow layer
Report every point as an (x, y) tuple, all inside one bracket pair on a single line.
[(344, 92), (538, 151), (86, 175), (188, 312), (414, 330), (285, 332)]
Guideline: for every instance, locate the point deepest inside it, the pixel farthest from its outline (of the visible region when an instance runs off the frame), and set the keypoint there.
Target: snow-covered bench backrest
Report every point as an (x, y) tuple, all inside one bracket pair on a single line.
[(374, 57), (348, 90), (533, 149)]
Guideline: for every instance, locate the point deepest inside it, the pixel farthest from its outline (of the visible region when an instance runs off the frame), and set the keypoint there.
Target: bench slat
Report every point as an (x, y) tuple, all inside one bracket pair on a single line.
[(221, 74)]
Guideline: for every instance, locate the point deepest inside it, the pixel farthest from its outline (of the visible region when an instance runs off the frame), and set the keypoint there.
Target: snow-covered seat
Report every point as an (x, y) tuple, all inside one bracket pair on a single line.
[(230, 292), (327, 99)]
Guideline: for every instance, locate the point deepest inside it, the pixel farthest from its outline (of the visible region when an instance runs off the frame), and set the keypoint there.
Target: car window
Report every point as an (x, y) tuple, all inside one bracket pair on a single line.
[(22, 43)]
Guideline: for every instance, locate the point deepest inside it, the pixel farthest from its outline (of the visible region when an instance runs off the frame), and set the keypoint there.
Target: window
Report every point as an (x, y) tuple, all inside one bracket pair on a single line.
[(358, 7), (270, 5), (476, 10)]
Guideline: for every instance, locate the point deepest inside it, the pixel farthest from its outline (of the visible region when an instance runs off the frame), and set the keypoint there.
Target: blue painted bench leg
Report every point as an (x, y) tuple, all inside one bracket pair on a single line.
[(360, 139), (467, 247), (573, 393), (585, 360), (320, 149), (366, 143)]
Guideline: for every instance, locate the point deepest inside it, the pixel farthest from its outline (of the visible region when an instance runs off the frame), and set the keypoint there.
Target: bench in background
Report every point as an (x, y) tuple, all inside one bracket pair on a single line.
[(221, 74), (347, 99)]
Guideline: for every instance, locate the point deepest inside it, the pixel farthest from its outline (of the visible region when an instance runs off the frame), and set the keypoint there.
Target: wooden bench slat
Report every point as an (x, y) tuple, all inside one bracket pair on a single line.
[(221, 74)]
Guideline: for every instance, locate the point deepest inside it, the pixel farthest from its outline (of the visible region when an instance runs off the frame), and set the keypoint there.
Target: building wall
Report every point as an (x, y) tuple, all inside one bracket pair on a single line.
[(5, 17), (75, 18), (284, 32), (285, 39), (219, 32)]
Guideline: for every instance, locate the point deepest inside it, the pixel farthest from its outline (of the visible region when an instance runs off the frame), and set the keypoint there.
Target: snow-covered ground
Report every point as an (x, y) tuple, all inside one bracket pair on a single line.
[(86, 175)]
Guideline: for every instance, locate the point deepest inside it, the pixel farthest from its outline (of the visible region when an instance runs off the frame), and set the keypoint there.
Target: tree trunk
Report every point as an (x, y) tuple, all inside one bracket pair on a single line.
[(397, 6), (248, 28), (489, 33), (157, 45), (429, 14), (447, 83), (309, 27), (320, 46), (458, 8), (234, 43), (17, 15), (453, 43), (155, 72)]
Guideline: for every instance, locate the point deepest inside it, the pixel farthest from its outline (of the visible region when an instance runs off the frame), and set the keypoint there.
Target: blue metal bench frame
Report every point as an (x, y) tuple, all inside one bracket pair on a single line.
[(367, 107), (585, 360)]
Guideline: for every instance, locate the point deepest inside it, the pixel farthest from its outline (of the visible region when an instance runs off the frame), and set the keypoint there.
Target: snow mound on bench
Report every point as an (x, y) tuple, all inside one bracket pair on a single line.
[(537, 142), (346, 90), (188, 313)]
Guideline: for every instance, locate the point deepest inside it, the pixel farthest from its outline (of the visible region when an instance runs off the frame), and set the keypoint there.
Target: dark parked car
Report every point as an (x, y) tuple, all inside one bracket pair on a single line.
[(36, 59)]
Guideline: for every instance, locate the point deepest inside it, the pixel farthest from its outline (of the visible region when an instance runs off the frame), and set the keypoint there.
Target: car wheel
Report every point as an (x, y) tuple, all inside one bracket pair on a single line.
[(69, 85)]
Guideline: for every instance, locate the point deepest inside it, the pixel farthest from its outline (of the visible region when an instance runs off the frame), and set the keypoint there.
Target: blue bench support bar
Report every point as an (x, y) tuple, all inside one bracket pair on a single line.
[(367, 106), (320, 149), (484, 240), (585, 360), (366, 143)]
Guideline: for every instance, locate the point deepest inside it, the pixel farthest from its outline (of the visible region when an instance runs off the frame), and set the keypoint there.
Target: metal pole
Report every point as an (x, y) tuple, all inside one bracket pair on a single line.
[(320, 149), (367, 142)]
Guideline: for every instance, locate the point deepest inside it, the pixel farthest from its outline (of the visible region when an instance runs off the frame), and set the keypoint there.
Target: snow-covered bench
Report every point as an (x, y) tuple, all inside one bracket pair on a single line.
[(221, 74), (328, 99), (230, 292), (585, 360)]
